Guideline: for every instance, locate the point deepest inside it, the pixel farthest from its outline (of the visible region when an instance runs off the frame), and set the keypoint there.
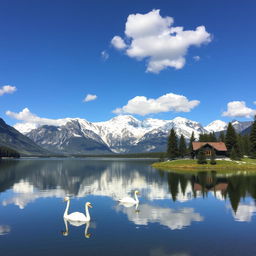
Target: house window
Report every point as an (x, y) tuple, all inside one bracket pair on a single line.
[(208, 152)]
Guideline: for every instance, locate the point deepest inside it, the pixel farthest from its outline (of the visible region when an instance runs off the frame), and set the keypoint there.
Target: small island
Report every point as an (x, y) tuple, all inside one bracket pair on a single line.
[(228, 152)]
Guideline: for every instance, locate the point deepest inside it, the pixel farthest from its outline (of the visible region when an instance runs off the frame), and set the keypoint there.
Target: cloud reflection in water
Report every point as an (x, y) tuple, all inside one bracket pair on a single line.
[(171, 218)]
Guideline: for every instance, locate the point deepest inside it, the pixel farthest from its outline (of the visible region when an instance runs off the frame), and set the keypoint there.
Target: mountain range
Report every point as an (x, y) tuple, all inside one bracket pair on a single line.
[(121, 134)]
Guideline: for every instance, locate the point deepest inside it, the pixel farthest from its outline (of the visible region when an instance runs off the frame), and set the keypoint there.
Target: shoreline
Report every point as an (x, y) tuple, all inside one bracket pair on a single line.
[(221, 166)]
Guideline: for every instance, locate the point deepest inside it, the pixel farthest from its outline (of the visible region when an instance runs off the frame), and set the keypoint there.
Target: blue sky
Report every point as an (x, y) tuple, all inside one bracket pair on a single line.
[(50, 51)]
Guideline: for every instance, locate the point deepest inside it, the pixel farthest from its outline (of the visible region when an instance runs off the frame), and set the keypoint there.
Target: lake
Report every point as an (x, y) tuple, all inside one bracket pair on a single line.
[(201, 214)]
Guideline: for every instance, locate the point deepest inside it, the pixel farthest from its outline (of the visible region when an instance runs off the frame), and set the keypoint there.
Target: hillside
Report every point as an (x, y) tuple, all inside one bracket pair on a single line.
[(11, 138)]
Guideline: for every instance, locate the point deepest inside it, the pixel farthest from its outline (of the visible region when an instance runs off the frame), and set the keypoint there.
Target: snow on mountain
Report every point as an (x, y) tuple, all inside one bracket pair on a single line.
[(121, 134), (241, 126), (125, 131), (216, 126), (77, 136)]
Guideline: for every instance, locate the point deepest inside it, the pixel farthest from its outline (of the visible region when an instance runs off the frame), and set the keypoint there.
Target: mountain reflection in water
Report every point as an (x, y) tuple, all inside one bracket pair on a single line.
[(33, 179), (201, 214)]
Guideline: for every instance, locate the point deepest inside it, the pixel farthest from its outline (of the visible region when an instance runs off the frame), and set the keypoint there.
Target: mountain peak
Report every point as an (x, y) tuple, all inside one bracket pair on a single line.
[(127, 118), (216, 126), (180, 119)]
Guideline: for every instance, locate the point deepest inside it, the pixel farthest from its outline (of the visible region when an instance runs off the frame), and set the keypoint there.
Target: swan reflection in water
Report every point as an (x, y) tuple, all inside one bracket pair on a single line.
[(76, 224), (77, 218)]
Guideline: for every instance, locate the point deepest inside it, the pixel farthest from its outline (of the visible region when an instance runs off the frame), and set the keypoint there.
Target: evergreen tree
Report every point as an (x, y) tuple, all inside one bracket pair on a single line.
[(203, 137), (246, 144), (201, 158), (231, 139), (212, 137), (172, 149), (190, 147), (234, 154), (182, 146), (240, 145), (213, 157), (253, 140), (222, 137)]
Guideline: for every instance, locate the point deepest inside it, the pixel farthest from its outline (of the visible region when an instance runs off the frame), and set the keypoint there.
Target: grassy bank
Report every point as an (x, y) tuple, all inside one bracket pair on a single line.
[(222, 165)]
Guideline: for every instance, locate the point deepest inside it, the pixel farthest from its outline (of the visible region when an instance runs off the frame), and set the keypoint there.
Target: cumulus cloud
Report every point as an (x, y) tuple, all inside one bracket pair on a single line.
[(173, 219), (32, 121), (141, 105), (154, 38), (118, 42), (7, 89), (90, 97), (239, 109), (196, 58), (104, 55)]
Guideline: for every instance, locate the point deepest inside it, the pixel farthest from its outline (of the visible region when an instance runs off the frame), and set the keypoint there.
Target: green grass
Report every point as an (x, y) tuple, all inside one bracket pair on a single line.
[(222, 165)]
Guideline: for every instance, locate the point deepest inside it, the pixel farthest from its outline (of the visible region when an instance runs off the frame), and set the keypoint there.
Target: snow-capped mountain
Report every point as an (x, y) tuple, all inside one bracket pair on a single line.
[(121, 134), (216, 126), (241, 126), (77, 136)]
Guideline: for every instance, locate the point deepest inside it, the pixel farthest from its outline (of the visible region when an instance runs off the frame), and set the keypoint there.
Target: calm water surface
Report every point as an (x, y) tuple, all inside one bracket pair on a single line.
[(204, 214)]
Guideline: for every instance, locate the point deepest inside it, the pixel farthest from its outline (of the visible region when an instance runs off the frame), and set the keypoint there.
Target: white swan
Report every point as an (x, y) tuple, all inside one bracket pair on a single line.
[(129, 201), (77, 216)]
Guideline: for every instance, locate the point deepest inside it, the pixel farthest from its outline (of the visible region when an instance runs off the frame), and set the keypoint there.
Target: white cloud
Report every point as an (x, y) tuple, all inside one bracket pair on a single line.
[(239, 109), (171, 218), (118, 42), (196, 58), (153, 37), (7, 89), (141, 105), (32, 121), (254, 102), (90, 97), (104, 55)]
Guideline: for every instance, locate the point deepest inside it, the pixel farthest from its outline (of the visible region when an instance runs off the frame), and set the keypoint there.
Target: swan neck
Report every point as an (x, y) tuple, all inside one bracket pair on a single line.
[(67, 207), (136, 197), (87, 212)]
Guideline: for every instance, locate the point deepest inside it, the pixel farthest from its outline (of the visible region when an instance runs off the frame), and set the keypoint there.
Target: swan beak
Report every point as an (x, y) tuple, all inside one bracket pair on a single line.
[(90, 205)]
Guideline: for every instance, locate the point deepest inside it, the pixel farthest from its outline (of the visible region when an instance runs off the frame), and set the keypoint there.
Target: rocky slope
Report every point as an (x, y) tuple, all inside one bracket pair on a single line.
[(121, 134), (12, 138)]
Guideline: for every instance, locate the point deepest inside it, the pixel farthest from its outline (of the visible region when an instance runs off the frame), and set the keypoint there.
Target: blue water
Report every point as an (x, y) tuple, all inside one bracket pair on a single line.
[(204, 214)]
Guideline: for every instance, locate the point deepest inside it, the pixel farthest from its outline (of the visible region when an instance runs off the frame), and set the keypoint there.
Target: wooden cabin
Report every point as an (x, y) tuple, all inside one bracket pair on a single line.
[(219, 148)]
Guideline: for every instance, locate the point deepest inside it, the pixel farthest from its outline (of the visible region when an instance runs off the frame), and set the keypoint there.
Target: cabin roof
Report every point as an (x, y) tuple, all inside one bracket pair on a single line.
[(220, 146)]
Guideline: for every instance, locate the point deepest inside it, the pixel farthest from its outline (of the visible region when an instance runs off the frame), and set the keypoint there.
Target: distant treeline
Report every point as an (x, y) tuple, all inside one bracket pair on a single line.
[(8, 152)]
